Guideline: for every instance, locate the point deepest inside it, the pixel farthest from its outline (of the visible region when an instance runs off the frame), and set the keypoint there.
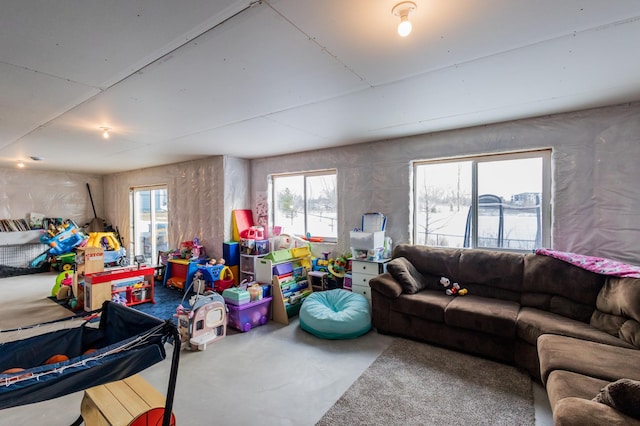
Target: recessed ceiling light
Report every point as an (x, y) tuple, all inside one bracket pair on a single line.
[(20, 165)]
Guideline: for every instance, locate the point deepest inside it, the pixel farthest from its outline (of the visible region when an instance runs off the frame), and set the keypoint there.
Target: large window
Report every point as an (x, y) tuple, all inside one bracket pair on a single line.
[(305, 204), (497, 202), (150, 221)]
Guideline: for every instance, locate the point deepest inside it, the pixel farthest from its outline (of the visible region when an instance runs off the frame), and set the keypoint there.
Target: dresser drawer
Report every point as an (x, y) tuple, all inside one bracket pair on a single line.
[(361, 279), (364, 290), (367, 268)]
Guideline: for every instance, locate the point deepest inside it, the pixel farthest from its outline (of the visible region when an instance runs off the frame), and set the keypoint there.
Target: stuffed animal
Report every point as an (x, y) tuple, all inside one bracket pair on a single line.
[(452, 289)]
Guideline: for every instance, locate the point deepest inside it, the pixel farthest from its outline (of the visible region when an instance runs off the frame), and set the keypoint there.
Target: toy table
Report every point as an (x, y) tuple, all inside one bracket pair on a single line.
[(100, 286), (179, 272)]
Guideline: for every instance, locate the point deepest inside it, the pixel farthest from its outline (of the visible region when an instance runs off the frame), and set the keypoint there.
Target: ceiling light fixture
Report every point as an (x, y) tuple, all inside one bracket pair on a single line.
[(402, 10), (105, 132), (20, 165)]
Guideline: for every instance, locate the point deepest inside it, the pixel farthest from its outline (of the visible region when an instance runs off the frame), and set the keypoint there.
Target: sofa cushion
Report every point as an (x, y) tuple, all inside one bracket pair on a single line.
[(532, 323), (558, 305), (608, 323), (623, 395), (593, 359), (428, 305), (484, 314), (410, 279), (564, 384), (580, 412), (618, 309), (621, 297), (550, 284), (438, 261), (492, 273), (630, 332)]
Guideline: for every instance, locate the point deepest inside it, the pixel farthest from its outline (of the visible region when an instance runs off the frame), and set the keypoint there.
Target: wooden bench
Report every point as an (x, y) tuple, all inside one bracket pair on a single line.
[(121, 403)]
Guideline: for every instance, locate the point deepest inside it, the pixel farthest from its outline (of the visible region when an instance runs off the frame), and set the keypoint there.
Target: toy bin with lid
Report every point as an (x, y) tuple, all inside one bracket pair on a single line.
[(279, 255), (236, 296), (245, 317)]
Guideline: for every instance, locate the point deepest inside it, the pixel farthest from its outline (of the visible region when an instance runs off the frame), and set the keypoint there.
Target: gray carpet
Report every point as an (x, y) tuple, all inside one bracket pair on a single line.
[(414, 383)]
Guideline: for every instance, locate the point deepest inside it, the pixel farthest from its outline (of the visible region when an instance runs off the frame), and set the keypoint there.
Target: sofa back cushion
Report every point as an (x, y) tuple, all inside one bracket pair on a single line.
[(482, 272), (618, 309), (556, 286), (431, 261), (490, 273)]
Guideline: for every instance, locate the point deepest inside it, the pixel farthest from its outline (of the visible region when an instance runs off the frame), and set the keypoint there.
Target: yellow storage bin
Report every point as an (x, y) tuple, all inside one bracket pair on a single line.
[(300, 251)]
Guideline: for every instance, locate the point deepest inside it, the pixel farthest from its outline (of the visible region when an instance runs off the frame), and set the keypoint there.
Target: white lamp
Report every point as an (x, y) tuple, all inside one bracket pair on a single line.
[(402, 10)]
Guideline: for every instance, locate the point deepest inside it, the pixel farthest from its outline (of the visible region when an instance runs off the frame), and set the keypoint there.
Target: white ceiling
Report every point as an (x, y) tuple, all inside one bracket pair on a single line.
[(182, 80)]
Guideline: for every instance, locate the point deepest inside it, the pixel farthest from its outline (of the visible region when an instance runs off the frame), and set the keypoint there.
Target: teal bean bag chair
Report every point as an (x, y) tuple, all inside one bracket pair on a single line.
[(335, 314)]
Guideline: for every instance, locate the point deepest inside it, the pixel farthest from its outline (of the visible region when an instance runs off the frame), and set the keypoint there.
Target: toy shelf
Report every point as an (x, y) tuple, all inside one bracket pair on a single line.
[(134, 295), (99, 286), (15, 238), (282, 309)]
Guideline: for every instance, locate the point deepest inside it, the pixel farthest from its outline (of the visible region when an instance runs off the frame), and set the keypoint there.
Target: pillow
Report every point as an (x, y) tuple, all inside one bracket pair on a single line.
[(410, 279), (623, 395)]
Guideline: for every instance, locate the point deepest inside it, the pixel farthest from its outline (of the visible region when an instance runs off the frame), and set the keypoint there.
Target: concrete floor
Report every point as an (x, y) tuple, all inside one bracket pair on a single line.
[(272, 375)]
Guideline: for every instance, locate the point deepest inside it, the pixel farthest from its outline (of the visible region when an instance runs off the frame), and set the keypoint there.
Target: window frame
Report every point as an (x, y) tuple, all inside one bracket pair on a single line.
[(305, 174), (546, 204), (134, 211)]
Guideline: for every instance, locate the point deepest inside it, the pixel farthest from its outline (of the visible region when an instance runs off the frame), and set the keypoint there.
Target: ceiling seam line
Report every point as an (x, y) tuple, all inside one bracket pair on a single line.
[(48, 74), (314, 41), (102, 90)]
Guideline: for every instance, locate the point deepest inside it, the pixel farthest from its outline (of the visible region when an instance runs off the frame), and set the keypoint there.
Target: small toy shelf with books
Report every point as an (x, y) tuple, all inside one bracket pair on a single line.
[(288, 275), (133, 291)]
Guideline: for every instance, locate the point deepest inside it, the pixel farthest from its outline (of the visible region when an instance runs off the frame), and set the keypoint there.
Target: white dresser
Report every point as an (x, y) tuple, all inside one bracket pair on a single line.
[(362, 271)]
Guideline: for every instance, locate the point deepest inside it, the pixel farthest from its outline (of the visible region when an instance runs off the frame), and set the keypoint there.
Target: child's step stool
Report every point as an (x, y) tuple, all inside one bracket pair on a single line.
[(123, 402)]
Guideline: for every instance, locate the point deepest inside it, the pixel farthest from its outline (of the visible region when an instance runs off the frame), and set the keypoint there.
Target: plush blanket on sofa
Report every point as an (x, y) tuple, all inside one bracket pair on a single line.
[(599, 265)]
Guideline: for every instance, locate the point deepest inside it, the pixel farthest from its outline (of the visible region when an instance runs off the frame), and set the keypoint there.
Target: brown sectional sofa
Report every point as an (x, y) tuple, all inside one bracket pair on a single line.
[(574, 330)]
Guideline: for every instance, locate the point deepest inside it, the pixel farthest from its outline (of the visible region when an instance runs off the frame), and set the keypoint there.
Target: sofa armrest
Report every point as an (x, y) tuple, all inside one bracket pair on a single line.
[(386, 285)]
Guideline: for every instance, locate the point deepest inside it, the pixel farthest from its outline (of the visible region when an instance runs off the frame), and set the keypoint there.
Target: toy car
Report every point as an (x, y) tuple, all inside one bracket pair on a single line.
[(64, 262), (64, 241), (114, 253)]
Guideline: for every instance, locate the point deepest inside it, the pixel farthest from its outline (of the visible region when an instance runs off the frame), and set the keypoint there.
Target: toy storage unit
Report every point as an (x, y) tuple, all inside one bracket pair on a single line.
[(288, 275), (248, 264), (101, 286), (249, 315), (362, 271)]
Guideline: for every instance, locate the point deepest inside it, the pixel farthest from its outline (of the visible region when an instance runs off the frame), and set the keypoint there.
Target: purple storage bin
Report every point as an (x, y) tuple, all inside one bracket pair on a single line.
[(283, 269), (245, 317)]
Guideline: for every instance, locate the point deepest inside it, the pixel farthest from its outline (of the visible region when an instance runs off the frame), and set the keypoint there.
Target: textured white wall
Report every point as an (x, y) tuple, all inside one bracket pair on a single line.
[(54, 194), (195, 204), (596, 198), (595, 195)]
